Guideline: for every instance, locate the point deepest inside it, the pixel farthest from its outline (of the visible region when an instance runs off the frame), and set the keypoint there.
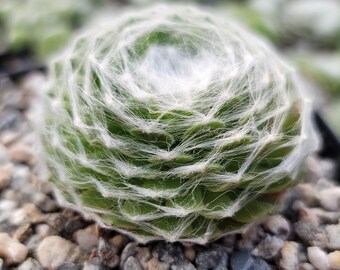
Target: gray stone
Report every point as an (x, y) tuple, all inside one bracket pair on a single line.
[(168, 252), (9, 119), (214, 256), (260, 264), (310, 233), (67, 266), (242, 260), (108, 253), (278, 226), (86, 238), (132, 264), (269, 247), (129, 250)]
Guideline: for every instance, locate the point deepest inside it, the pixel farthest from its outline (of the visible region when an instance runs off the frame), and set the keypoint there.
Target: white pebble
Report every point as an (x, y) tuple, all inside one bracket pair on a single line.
[(54, 250), (330, 198), (11, 250), (334, 260), (318, 258), (333, 236)]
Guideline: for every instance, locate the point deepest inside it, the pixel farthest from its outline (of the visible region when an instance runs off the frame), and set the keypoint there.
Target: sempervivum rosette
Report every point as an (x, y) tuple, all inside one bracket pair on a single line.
[(170, 123)]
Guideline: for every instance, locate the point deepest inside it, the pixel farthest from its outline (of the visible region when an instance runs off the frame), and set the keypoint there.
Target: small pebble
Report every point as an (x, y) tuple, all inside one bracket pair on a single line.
[(269, 247), (129, 250), (33, 214), (23, 232), (89, 266), (155, 264), (67, 266), (330, 198), (22, 153), (241, 260), (212, 256), (168, 252), (318, 258), (333, 236), (108, 253), (334, 260), (132, 264), (53, 251), (289, 256), (43, 230), (86, 238), (44, 203), (307, 193), (11, 250), (6, 172), (310, 233), (119, 241), (260, 264), (189, 253), (278, 226), (143, 255), (21, 176), (305, 266), (30, 264), (186, 265)]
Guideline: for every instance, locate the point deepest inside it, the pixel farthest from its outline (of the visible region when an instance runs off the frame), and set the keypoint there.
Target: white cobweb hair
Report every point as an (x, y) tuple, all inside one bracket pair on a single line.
[(168, 123)]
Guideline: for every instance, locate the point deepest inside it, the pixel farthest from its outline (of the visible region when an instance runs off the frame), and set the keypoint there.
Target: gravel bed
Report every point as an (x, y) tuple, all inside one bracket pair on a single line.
[(35, 233)]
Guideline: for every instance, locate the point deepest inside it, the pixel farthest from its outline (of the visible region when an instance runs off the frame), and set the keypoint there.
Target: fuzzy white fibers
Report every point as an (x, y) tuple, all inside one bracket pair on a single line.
[(167, 122)]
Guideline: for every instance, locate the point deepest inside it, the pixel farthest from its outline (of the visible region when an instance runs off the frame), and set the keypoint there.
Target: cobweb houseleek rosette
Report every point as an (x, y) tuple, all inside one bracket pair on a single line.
[(171, 123)]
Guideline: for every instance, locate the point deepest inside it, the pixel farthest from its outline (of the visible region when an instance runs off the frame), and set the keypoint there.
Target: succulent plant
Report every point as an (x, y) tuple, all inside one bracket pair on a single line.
[(171, 123), (42, 26)]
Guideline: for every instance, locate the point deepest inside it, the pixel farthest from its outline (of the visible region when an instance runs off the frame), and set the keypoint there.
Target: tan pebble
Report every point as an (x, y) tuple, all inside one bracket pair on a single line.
[(11, 250), (6, 172), (22, 153), (307, 193), (143, 255), (23, 232), (318, 258), (119, 241), (33, 213), (54, 251), (155, 264), (189, 253), (289, 255), (334, 260)]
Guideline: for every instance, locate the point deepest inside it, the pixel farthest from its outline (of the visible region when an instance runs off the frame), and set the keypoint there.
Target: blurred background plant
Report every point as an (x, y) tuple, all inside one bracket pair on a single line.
[(307, 31)]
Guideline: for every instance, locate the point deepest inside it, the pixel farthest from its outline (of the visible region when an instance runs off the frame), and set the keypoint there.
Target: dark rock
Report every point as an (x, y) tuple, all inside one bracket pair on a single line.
[(72, 225), (168, 252), (242, 260), (212, 257), (260, 264), (9, 119), (68, 266), (269, 247), (132, 264), (108, 253), (245, 261)]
